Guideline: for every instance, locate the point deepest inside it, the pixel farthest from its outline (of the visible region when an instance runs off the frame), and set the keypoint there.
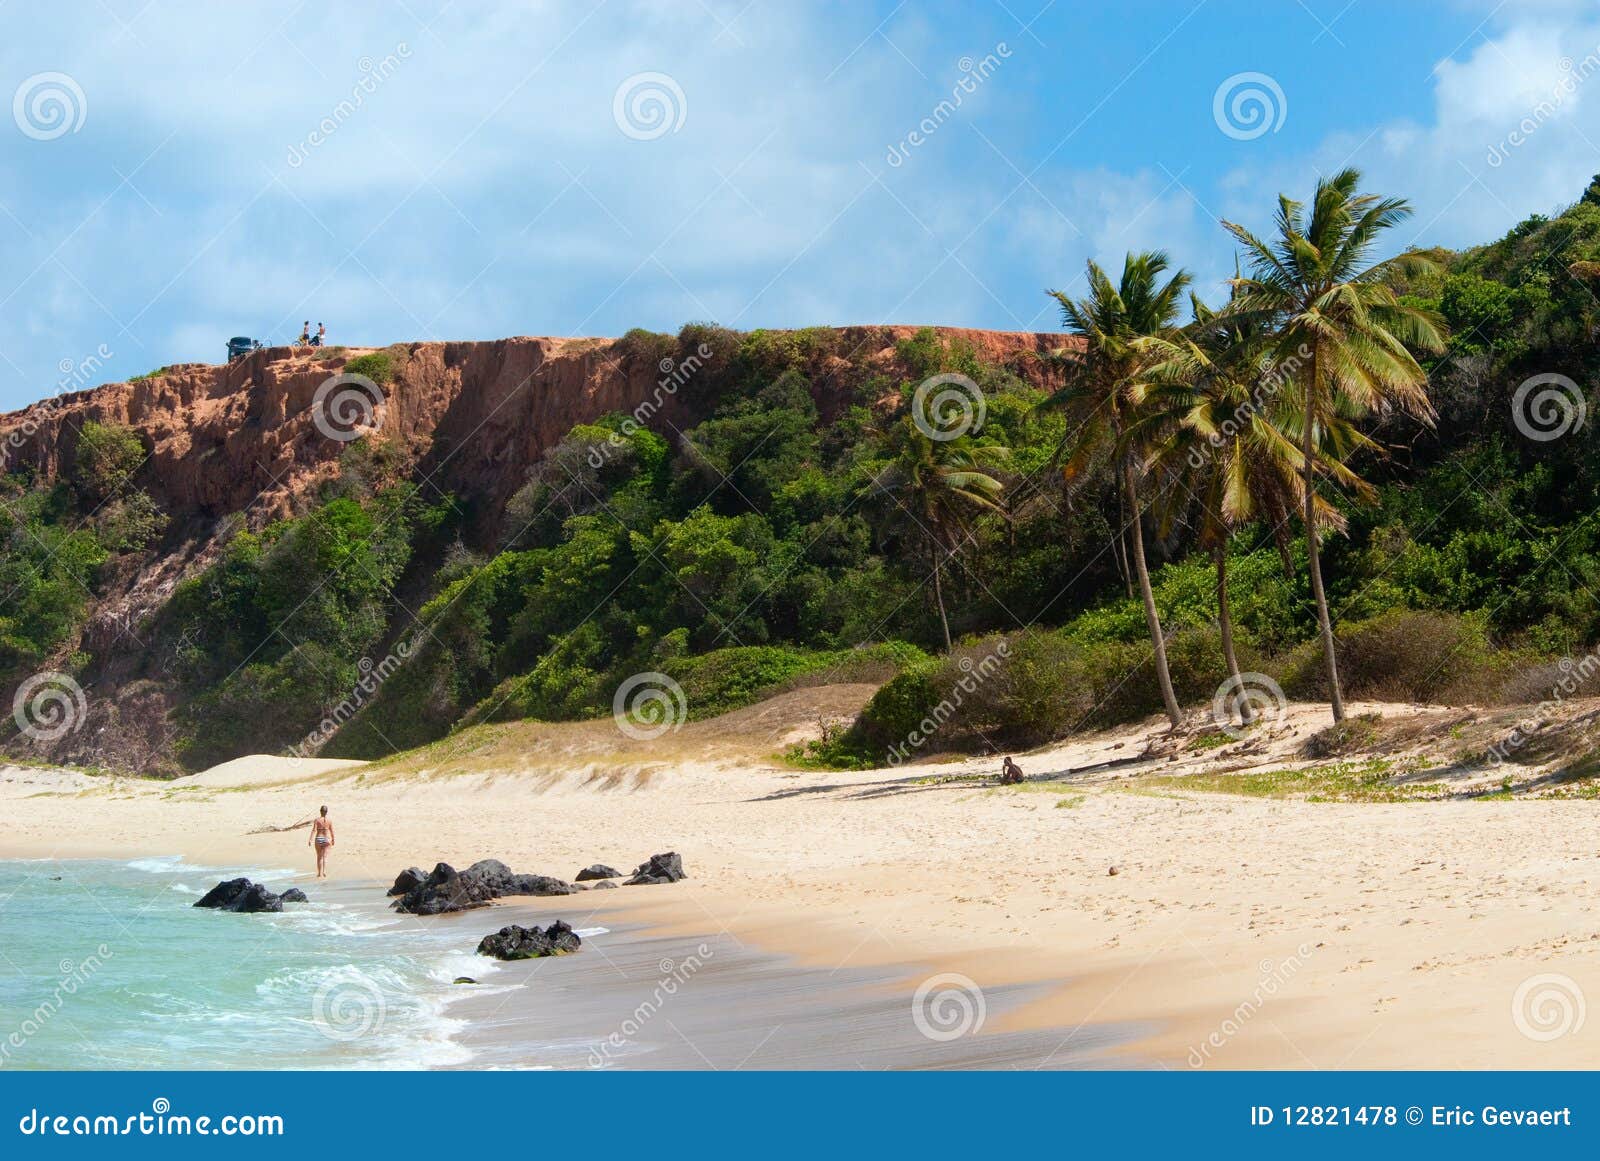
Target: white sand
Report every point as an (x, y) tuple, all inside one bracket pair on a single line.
[(1303, 934)]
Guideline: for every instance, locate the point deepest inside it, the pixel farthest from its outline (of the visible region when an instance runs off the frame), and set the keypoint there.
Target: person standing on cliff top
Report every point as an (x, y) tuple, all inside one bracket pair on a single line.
[(322, 333)]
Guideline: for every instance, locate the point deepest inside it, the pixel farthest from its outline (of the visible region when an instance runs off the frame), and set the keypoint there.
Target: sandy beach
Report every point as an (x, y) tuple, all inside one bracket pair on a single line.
[(1236, 930)]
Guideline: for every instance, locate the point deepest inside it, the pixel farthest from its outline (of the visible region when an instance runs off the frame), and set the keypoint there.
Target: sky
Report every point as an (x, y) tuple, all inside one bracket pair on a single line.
[(174, 174)]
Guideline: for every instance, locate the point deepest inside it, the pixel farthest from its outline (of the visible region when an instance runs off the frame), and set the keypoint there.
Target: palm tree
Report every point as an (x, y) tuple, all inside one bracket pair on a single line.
[(942, 484), (1210, 395), (1340, 336), (1104, 385)]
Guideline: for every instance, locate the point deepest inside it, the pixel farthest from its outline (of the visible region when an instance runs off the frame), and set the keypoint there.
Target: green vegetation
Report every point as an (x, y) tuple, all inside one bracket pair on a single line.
[(377, 366), (1373, 780), (55, 541), (1109, 549)]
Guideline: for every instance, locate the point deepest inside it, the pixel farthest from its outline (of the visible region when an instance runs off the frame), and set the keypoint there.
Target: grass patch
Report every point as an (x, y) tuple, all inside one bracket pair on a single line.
[(1373, 780), (1212, 741)]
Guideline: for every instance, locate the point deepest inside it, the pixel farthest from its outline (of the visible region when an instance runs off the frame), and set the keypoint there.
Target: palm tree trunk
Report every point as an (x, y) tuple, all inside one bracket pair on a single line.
[(1119, 545), (1313, 556), (938, 592), (1147, 594), (1225, 625)]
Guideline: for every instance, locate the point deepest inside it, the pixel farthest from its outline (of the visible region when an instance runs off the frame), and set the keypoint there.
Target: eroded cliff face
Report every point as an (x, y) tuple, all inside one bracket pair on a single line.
[(254, 439), (251, 437)]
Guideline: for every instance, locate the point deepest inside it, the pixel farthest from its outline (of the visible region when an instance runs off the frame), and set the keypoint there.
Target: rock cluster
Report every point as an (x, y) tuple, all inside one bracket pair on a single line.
[(244, 896), (667, 868), (445, 889), (517, 942)]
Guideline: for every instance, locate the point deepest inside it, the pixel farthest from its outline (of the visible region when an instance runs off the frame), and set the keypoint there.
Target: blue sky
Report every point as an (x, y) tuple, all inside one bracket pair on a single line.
[(207, 170)]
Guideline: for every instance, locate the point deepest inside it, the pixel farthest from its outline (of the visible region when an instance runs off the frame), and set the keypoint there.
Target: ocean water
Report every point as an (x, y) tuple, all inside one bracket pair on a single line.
[(106, 964)]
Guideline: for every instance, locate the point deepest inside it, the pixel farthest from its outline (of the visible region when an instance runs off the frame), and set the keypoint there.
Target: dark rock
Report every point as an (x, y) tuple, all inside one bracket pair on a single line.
[(598, 871), (407, 880), (445, 889), (256, 898), (465, 980), (667, 868), (293, 895), (223, 893), (240, 895), (603, 884), (517, 942)]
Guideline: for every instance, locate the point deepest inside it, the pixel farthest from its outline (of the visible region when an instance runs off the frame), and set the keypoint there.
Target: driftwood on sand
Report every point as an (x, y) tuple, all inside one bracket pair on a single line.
[(280, 829)]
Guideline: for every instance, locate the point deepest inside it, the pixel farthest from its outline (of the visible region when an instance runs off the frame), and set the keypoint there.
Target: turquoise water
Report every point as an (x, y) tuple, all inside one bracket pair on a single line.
[(106, 964)]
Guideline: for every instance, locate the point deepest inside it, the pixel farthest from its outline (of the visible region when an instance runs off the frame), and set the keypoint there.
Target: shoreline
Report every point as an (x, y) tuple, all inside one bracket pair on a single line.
[(635, 996)]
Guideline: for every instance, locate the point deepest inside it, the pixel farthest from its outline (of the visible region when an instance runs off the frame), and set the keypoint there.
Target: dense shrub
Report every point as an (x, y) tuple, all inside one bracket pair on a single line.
[(377, 366), (1403, 655)]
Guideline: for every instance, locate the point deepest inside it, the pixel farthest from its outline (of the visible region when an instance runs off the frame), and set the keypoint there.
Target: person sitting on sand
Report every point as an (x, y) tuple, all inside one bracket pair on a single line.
[(1010, 772), (321, 837)]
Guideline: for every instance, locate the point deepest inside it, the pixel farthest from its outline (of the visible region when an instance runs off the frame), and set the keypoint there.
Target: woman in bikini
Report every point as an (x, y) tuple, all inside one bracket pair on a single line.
[(321, 837)]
